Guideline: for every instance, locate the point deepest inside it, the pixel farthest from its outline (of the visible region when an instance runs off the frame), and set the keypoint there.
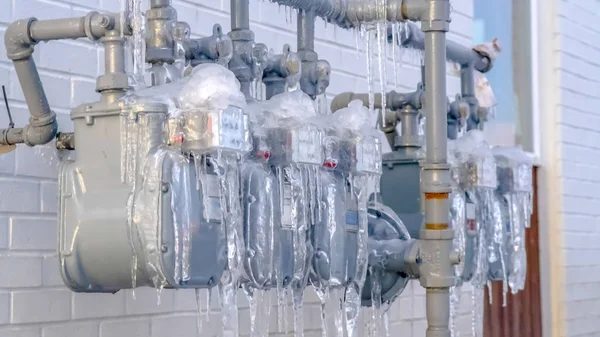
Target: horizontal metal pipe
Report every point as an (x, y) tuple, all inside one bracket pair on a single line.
[(93, 26), (411, 36), (46, 30), (394, 100), (351, 13)]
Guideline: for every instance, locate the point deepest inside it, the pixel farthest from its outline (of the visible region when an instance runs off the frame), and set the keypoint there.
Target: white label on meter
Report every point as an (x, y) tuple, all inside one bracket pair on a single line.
[(286, 212), (471, 219)]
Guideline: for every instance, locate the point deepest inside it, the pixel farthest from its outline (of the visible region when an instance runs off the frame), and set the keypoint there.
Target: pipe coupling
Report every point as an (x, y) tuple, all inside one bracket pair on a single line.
[(18, 41), (40, 130), (96, 25), (435, 178), (436, 17), (413, 10)]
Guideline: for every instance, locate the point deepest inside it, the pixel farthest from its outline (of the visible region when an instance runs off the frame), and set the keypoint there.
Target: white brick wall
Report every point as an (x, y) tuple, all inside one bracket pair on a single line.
[(577, 48), (33, 301)]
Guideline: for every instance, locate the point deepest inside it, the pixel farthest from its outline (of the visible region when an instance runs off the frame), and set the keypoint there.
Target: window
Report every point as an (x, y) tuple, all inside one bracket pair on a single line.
[(512, 77)]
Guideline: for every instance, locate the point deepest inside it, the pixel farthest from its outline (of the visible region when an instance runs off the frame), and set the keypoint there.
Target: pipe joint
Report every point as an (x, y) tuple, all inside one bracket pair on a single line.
[(160, 43), (96, 25), (396, 255), (281, 69), (41, 130), (436, 17), (215, 48), (436, 178), (315, 77), (18, 41), (413, 10)]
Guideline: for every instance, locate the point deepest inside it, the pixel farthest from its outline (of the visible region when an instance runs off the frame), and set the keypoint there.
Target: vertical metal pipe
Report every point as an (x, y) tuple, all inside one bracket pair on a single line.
[(438, 312), (306, 30), (467, 82), (435, 96), (114, 56), (240, 14)]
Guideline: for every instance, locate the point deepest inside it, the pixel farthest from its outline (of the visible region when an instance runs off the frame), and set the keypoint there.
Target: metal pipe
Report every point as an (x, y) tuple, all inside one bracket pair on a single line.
[(240, 14), (114, 82), (20, 38), (306, 30), (436, 272), (411, 36), (93, 26), (351, 13), (437, 314), (467, 91), (394, 100), (435, 96), (72, 28)]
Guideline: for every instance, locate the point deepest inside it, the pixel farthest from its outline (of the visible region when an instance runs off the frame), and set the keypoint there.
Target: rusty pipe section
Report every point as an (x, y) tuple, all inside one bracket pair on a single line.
[(20, 39)]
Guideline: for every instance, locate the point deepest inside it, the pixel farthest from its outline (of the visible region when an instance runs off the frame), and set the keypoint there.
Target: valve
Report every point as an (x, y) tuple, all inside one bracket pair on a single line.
[(281, 69), (315, 73), (216, 48)]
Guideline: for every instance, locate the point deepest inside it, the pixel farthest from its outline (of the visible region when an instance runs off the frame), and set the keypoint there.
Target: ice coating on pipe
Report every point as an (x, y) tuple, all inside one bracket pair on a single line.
[(515, 192), (484, 229), (458, 222)]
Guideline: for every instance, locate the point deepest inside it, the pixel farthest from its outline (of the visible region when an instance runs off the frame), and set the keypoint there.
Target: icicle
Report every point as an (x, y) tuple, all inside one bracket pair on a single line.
[(298, 300), (357, 35), (367, 34), (386, 324), (395, 49), (138, 40), (339, 312), (376, 312), (282, 324), (323, 295), (381, 50), (159, 295)]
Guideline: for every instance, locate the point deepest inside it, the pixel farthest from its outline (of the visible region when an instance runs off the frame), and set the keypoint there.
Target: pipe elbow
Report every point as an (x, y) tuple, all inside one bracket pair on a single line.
[(41, 130), (18, 41), (340, 101)]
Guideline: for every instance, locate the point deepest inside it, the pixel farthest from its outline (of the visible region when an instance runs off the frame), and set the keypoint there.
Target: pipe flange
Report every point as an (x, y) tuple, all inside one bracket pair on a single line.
[(241, 35), (384, 224), (409, 141), (162, 13), (114, 81), (42, 121)]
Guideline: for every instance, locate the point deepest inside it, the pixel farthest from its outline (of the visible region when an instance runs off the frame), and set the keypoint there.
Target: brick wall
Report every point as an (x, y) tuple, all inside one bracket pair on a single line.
[(33, 301)]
